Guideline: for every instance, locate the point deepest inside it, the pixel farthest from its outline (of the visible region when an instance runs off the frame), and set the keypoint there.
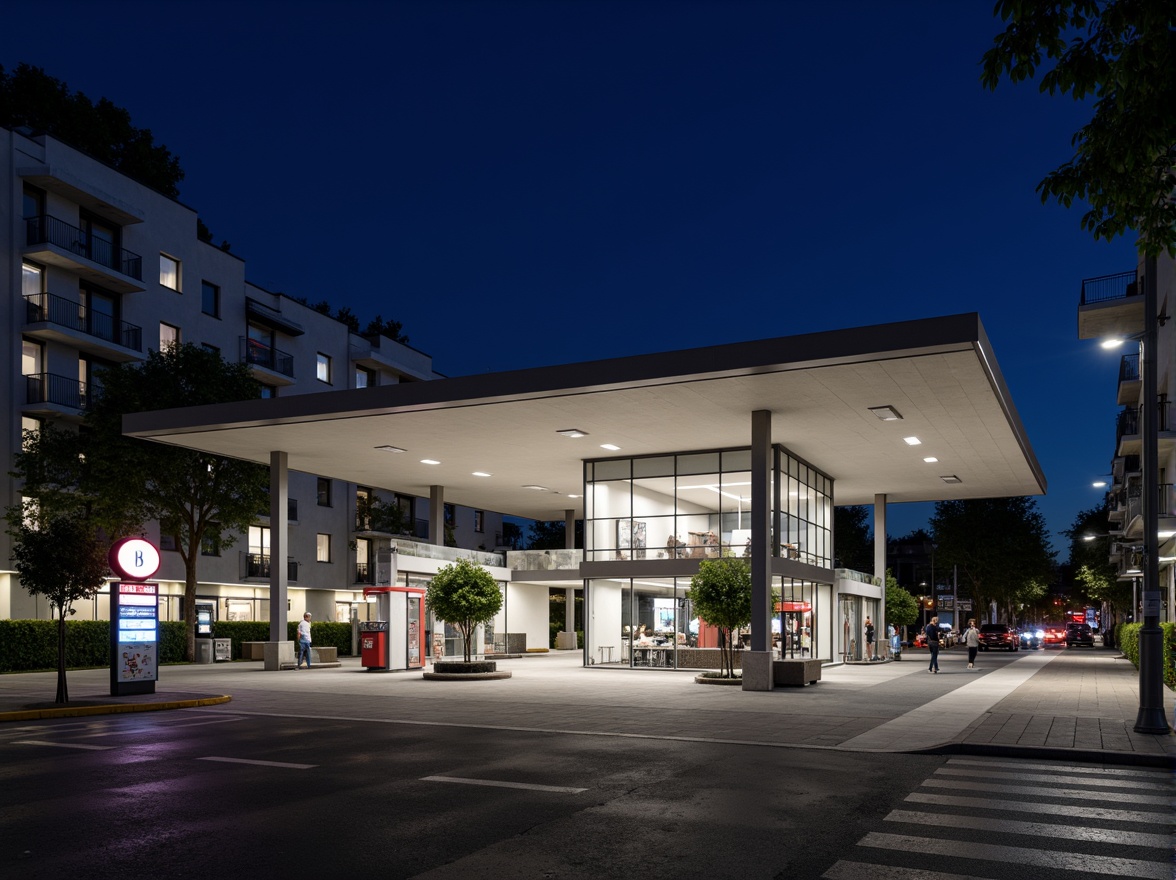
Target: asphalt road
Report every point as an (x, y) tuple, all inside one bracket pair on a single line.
[(199, 793)]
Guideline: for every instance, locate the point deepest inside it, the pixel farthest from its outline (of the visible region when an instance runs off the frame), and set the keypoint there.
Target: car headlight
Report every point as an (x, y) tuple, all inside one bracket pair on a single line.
[(1040, 634)]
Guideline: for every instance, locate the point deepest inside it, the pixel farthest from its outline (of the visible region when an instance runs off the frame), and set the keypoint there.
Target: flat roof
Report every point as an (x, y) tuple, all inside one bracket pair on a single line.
[(940, 374)]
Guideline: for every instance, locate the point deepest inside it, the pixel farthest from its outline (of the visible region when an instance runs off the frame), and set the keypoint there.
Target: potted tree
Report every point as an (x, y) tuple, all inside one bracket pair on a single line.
[(466, 595), (721, 595)]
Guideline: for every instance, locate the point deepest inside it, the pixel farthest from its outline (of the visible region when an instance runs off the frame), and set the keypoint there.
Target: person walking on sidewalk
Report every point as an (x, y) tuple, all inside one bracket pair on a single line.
[(304, 641), (869, 638), (972, 640), (932, 632)]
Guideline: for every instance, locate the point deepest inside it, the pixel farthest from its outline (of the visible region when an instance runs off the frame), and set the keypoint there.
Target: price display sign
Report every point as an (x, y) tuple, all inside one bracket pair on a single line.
[(134, 637)]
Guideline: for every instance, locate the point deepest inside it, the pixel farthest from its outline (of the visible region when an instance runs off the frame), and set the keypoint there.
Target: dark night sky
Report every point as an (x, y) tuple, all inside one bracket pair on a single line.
[(535, 183)]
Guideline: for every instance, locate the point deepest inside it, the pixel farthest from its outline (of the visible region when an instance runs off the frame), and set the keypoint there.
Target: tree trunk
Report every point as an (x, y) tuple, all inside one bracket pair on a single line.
[(62, 688), (467, 633), (190, 603)]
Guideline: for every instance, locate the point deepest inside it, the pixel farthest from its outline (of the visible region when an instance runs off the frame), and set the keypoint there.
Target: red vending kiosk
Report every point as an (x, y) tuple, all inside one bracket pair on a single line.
[(396, 639)]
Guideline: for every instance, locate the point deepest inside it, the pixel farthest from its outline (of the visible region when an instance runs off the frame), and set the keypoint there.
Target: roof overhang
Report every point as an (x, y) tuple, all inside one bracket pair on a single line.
[(939, 373)]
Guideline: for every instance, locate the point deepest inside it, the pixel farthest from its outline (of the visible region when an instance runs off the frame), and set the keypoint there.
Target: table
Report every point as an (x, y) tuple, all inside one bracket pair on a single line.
[(652, 655)]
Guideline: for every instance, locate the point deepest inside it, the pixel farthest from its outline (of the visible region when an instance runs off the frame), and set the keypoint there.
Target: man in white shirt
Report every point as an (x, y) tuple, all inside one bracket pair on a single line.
[(304, 640)]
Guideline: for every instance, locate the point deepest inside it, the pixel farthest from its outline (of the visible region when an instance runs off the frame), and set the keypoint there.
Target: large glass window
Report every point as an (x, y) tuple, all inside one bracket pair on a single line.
[(169, 272), (32, 279), (210, 299)]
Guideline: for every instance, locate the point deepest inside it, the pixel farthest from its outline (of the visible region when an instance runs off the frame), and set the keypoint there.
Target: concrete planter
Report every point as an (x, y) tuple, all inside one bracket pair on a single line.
[(710, 679), (459, 670)]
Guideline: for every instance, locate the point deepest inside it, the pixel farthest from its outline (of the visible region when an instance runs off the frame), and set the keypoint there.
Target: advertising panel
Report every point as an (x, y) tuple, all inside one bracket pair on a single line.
[(134, 638)]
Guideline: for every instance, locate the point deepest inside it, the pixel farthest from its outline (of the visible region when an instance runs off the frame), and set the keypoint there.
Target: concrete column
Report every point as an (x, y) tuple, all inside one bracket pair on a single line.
[(880, 557), (757, 662), (437, 515), (280, 648), (570, 529), (568, 637)]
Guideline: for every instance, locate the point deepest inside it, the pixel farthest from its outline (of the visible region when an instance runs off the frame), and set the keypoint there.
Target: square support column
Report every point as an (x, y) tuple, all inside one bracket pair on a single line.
[(757, 662), (437, 515), (278, 551), (880, 556)]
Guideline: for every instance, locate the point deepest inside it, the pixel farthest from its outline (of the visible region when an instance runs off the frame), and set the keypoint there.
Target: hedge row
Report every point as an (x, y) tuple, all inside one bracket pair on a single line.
[(31, 645), (1127, 636)]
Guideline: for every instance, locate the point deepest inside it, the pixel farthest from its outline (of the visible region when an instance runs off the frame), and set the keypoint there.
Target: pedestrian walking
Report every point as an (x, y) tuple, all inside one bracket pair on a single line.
[(932, 632), (869, 638), (972, 640), (304, 641)]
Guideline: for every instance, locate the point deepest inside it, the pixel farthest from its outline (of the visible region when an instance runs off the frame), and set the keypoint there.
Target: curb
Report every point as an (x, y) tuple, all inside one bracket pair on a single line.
[(109, 709), (1051, 753)]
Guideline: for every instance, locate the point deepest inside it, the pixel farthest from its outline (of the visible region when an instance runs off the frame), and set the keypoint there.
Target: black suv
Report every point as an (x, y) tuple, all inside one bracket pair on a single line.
[(998, 635), (1079, 634)]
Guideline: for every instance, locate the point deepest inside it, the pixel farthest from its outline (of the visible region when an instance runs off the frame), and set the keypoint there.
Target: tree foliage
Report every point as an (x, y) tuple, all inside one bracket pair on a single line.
[(853, 545), (902, 609), (464, 594), (721, 595), (30, 97), (1090, 559), (120, 483), (1121, 53), (1000, 546), (62, 558)]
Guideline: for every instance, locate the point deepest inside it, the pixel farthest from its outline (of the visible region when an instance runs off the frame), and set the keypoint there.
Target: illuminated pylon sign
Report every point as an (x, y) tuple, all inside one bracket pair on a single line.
[(134, 618)]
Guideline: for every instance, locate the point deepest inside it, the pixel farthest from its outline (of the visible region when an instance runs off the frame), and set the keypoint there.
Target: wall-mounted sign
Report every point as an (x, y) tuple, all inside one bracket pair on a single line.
[(134, 558), (134, 637)]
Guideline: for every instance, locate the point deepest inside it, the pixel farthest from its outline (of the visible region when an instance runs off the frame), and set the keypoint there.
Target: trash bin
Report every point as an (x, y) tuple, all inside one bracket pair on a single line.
[(204, 650), (373, 639), (222, 649)]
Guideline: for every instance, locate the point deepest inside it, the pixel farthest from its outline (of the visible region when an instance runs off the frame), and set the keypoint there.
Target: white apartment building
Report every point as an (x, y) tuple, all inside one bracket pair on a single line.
[(1112, 307), (102, 269)]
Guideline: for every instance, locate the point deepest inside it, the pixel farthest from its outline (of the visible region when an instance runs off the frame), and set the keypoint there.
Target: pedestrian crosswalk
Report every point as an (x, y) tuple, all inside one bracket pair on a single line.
[(987, 819)]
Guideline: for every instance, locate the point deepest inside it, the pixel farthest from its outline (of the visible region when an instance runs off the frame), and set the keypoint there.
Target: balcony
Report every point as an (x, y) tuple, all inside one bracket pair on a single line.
[(58, 243), (1110, 305), (278, 364), (58, 319), (407, 547), (50, 394), (1129, 380), (544, 560), (257, 565)]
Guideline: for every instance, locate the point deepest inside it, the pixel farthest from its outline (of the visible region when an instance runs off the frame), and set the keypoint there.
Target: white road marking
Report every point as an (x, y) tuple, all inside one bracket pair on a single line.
[(1057, 780), (153, 728), (496, 784), (990, 852), (1119, 797), (1033, 829), (1062, 768), (41, 742), (259, 763), (1136, 816)]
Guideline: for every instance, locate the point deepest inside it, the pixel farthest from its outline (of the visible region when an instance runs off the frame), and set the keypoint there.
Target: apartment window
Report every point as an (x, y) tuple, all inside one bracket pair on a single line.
[(364, 378), (34, 202), (32, 356), (169, 272), (322, 369), (324, 492), (210, 348), (210, 299), (259, 540), (210, 544), (268, 391), (168, 336), (479, 520), (450, 515), (323, 545), (32, 279), (363, 508), (167, 542), (30, 429)]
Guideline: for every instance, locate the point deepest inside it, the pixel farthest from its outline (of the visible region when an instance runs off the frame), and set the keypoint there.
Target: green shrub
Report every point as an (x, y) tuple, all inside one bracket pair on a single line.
[(1127, 635)]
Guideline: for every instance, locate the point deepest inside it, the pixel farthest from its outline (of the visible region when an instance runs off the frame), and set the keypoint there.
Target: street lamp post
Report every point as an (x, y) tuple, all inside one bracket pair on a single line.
[(1150, 718)]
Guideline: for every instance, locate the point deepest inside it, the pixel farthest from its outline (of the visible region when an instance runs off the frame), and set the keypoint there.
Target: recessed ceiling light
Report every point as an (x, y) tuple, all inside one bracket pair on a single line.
[(886, 413), (429, 461), (573, 496), (609, 446), (912, 441), (536, 488), (951, 478), (391, 448), (482, 474), (930, 459), (572, 432)]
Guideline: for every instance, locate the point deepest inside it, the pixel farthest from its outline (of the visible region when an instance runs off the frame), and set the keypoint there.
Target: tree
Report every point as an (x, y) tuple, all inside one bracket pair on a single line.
[(1000, 546), (1123, 54), (61, 558), (465, 595), (1090, 559), (549, 534), (853, 546), (902, 609), (120, 483), (30, 97), (721, 595)]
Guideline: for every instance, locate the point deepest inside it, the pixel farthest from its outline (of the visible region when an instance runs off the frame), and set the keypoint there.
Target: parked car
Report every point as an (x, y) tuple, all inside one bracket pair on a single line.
[(1079, 634), (1031, 638), (998, 635), (1055, 635)]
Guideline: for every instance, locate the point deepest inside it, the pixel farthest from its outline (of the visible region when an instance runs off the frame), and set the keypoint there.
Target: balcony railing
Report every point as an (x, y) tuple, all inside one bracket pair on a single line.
[(45, 229), (262, 355), (1129, 368), (1109, 287), (257, 565), (52, 309), (59, 391)]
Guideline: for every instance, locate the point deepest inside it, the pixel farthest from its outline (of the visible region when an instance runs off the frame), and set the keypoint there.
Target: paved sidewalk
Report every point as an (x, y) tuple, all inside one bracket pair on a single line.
[(1069, 703)]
